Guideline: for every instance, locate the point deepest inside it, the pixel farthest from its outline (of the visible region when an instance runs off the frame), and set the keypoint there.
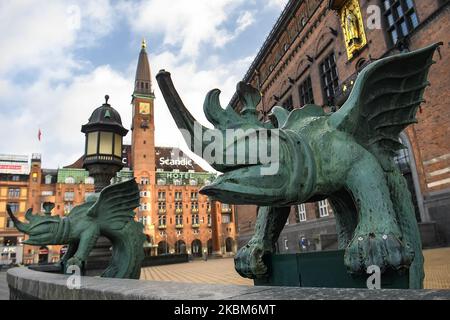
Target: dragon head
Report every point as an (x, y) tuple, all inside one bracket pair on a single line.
[(40, 229), (261, 162)]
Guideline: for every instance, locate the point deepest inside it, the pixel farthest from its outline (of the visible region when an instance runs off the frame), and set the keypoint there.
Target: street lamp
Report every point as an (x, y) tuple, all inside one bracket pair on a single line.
[(103, 144)]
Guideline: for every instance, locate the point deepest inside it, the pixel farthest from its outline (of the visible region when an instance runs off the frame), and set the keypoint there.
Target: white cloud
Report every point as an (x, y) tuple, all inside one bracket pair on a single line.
[(278, 4), (40, 37), (65, 90), (59, 113), (245, 20), (187, 24)]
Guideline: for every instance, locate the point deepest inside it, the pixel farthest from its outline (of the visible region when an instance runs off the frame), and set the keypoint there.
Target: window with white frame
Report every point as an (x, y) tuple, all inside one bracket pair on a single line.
[(145, 180), (178, 219), (161, 205), (195, 219), (301, 212), (48, 179), (162, 220), (323, 208)]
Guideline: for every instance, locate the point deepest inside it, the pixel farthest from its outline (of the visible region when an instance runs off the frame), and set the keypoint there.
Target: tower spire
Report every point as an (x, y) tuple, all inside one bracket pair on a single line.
[(143, 82)]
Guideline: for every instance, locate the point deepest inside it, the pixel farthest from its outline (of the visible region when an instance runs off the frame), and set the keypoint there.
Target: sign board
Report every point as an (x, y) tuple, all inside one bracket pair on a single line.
[(14, 164)]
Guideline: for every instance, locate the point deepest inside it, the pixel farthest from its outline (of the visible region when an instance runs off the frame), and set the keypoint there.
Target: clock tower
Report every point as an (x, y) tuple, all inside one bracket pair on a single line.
[(143, 127)]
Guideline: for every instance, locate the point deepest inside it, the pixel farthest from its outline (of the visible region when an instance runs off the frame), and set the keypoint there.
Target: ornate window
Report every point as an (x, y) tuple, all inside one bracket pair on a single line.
[(329, 78), (401, 18), (162, 220), (306, 92)]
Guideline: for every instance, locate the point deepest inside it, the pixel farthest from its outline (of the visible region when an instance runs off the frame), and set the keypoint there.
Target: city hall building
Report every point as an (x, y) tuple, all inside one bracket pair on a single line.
[(313, 54), (176, 218)]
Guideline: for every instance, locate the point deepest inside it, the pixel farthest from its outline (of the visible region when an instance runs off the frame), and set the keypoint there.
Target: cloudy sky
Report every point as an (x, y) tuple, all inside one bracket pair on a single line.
[(59, 58)]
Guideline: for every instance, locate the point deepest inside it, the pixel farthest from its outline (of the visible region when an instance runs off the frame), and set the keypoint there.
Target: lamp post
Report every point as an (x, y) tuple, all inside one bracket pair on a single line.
[(103, 144), (103, 159)]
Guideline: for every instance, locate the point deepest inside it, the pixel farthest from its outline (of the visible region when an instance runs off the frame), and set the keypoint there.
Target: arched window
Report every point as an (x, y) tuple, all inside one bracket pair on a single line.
[(69, 180)]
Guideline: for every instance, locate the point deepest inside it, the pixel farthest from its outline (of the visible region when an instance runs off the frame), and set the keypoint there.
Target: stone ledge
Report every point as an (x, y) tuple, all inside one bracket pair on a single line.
[(28, 284)]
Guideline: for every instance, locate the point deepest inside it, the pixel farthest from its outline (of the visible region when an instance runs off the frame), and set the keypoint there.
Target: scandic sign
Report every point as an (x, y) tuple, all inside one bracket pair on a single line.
[(175, 162)]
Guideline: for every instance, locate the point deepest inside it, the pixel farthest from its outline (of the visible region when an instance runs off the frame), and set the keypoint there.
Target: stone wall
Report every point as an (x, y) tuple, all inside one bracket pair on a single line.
[(28, 284)]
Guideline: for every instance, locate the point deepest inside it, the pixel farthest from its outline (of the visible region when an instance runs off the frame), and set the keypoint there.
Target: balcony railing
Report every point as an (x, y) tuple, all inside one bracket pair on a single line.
[(196, 225), (162, 199), (162, 226), (226, 209), (194, 209), (179, 226), (162, 211), (179, 210)]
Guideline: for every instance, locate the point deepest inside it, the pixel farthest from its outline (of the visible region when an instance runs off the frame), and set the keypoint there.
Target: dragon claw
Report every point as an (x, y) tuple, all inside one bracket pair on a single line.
[(383, 250), (74, 261), (249, 261)]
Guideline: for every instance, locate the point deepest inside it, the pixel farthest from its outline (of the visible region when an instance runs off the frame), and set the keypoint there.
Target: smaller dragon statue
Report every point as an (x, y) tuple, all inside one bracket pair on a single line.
[(109, 214)]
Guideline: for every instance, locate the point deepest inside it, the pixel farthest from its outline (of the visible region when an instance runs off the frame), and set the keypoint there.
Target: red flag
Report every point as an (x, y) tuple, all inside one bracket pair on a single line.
[(39, 134)]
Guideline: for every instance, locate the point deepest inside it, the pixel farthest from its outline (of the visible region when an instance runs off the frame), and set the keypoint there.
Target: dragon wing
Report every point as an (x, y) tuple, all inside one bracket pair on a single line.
[(385, 99), (115, 205)]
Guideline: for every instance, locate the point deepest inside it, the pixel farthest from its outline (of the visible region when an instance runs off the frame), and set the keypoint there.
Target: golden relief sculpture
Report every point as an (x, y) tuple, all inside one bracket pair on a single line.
[(352, 26)]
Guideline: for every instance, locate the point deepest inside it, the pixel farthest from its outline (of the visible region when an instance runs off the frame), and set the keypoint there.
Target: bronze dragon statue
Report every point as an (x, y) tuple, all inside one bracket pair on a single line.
[(346, 156), (109, 213)]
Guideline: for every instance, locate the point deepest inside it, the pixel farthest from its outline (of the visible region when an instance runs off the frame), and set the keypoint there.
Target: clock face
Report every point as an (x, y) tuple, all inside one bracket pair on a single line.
[(144, 108)]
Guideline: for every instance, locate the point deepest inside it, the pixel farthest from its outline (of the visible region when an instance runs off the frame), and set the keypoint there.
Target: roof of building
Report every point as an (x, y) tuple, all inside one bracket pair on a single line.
[(79, 175), (105, 115)]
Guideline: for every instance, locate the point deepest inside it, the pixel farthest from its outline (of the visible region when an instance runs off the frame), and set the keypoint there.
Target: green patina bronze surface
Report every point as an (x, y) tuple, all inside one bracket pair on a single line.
[(109, 213), (346, 157)]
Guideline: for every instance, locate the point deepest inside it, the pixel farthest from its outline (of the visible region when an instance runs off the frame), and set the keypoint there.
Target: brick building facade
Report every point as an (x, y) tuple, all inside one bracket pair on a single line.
[(176, 218), (313, 55)]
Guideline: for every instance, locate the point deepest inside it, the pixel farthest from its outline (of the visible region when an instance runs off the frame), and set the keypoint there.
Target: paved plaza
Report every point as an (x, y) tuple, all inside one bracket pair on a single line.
[(437, 271)]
